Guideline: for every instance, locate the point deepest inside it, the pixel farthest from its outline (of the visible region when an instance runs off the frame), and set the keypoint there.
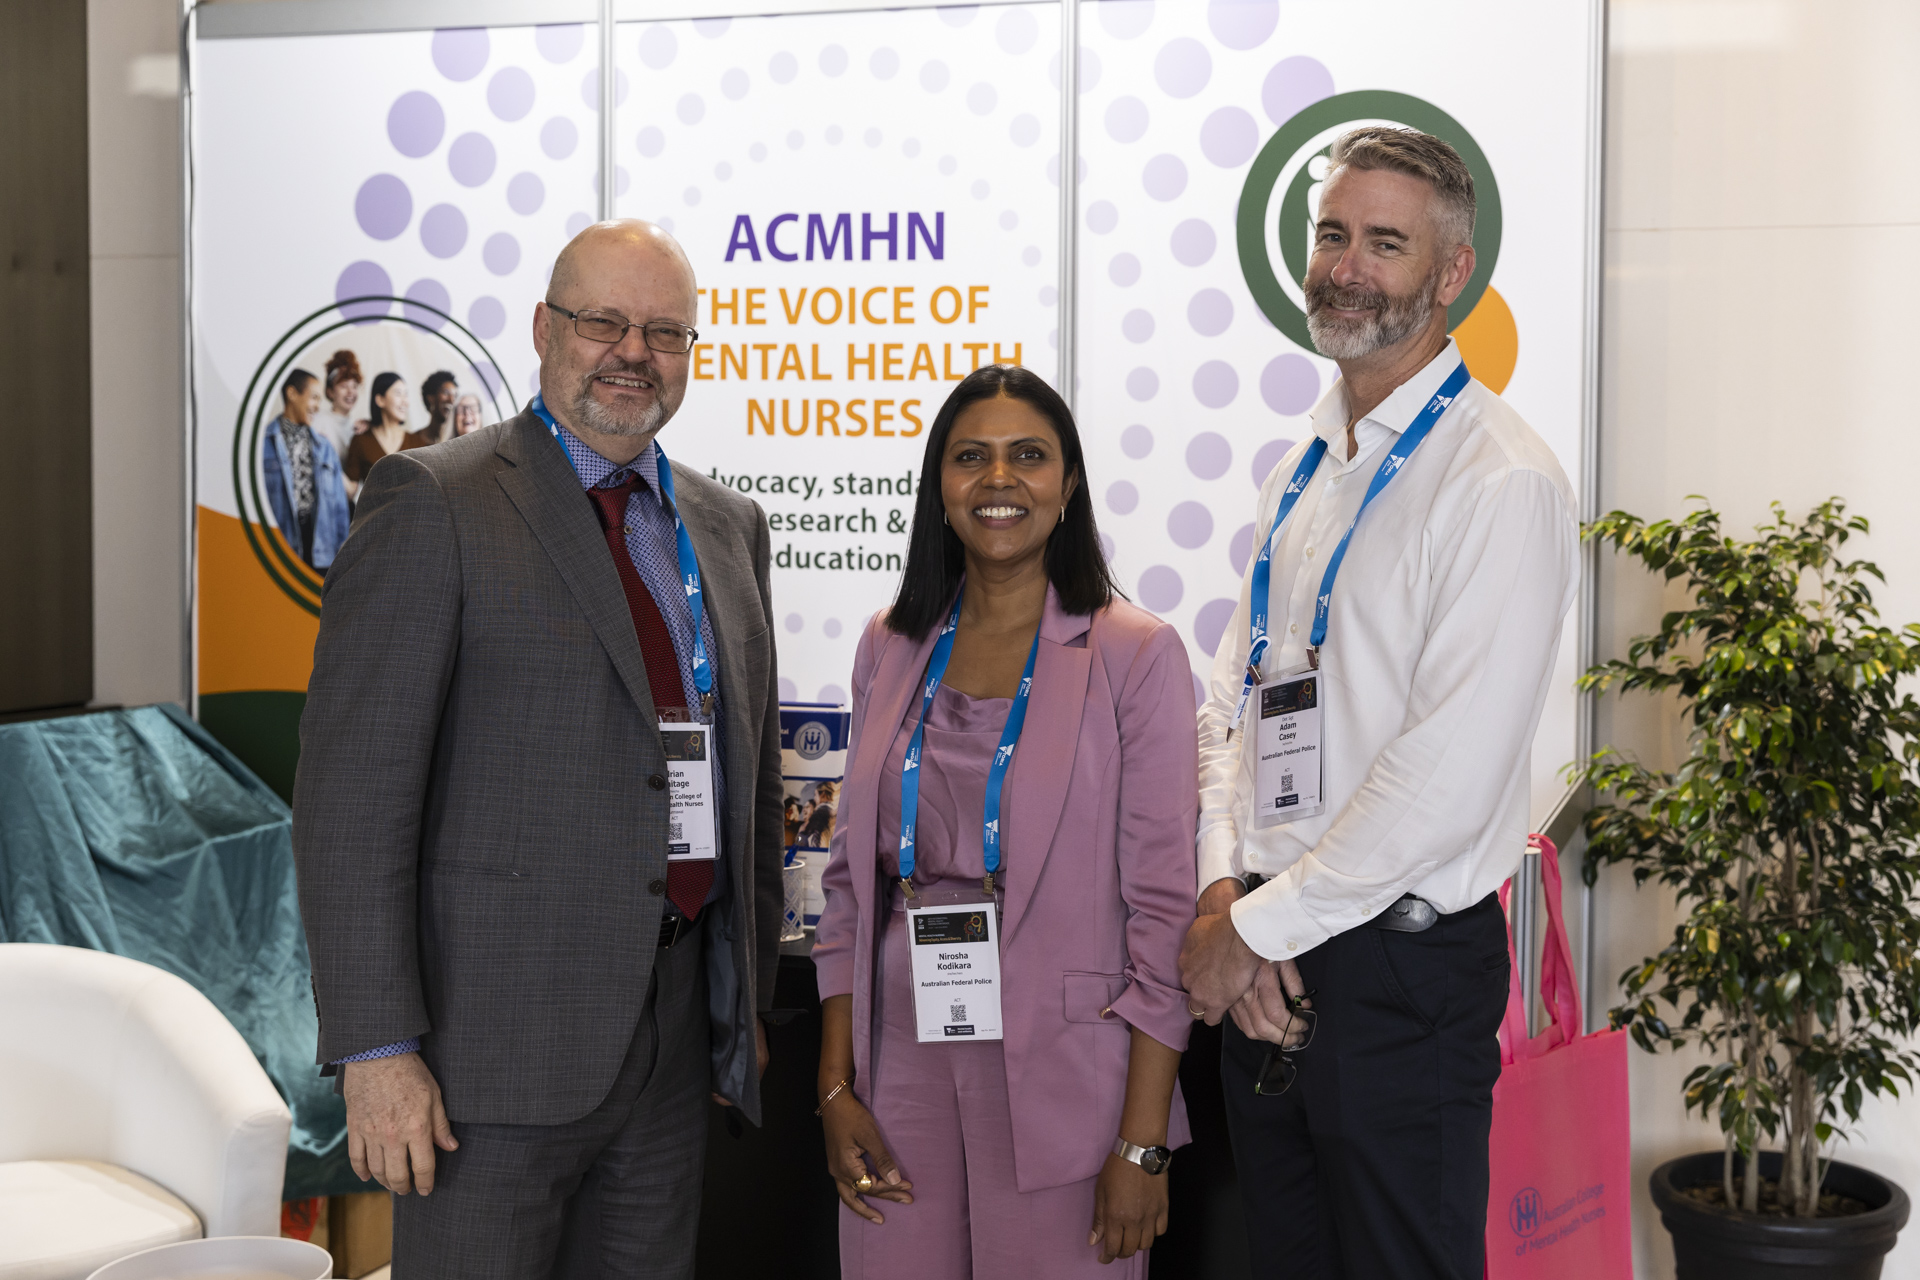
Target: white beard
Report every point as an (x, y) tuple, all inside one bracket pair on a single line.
[(1399, 320)]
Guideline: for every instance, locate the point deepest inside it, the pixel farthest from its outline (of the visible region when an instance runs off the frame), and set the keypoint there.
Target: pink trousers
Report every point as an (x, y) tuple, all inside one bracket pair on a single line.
[(942, 1110)]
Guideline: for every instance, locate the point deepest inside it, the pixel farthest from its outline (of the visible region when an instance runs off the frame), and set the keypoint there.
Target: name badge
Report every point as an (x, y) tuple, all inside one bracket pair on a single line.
[(1288, 771), (956, 972), (691, 814)]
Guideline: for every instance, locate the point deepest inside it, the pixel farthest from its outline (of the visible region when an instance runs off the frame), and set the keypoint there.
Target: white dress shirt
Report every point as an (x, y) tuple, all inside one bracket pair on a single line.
[(1445, 621)]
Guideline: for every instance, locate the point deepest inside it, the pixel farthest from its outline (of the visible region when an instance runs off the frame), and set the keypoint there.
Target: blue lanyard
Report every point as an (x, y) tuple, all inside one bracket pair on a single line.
[(996, 773), (689, 563), (1323, 605)]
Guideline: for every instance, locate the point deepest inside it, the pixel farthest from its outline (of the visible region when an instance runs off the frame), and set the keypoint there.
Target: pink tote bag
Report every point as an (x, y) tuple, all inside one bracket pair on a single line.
[(1559, 1205)]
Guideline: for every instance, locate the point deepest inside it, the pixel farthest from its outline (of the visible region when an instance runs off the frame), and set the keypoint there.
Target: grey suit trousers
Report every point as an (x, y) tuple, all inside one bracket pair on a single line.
[(612, 1195)]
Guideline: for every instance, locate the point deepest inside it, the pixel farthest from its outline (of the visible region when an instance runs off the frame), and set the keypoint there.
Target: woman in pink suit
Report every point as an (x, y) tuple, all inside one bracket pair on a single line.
[(1042, 1153)]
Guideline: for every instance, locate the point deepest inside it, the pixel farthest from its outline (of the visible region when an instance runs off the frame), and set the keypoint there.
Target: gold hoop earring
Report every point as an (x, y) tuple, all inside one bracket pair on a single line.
[(1063, 515)]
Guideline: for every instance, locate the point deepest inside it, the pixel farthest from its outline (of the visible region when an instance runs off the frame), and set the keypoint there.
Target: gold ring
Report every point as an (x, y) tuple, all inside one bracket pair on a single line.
[(865, 1184), (1197, 1013)]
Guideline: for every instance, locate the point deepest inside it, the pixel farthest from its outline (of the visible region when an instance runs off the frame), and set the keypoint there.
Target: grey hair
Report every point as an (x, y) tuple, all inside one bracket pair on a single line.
[(1418, 155)]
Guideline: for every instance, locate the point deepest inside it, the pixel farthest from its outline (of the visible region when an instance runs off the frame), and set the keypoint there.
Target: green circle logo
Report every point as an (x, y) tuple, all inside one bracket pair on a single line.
[(258, 406), (1276, 207)]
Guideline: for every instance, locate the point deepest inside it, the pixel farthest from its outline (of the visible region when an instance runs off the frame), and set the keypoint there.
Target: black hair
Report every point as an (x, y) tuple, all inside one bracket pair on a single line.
[(296, 383), (1076, 565), (435, 381), (382, 383)]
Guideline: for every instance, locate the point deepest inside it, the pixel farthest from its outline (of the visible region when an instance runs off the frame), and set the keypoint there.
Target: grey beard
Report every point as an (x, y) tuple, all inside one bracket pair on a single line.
[(1394, 320), (594, 416)]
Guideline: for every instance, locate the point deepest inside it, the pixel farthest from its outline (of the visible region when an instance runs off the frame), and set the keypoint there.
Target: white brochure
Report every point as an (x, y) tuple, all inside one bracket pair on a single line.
[(956, 971), (691, 812), (1288, 770)]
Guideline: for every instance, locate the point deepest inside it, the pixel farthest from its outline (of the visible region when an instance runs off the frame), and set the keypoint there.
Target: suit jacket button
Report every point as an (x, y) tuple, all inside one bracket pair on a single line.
[(656, 887), (657, 782)]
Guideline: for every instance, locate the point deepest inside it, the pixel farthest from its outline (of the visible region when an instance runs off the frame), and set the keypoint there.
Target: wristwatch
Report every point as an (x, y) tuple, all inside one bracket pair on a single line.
[(1152, 1159)]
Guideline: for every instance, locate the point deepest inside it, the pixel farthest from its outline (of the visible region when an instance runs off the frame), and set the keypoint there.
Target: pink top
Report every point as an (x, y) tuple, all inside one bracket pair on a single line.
[(962, 734), (1100, 806)]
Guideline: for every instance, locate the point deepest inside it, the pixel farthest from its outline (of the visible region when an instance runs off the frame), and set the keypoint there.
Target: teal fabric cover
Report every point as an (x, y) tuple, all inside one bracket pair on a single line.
[(135, 832)]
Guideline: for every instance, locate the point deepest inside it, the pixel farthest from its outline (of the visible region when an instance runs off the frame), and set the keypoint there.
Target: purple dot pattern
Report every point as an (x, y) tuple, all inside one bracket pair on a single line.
[(460, 53), (1210, 623), (1183, 67), (560, 42), (1229, 137), (471, 159), (1143, 384), (443, 230), (691, 109), (935, 76), (1165, 177), (1240, 549), (1102, 217), (832, 694), (487, 317), (1294, 83), (558, 137), (1024, 130), (1215, 384), (1016, 31), (1193, 243), (526, 193), (1209, 455), (789, 691), (1124, 269), (884, 64), (1137, 326), (733, 85), (1189, 524), (415, 124), (501, 253), (1161, 588), (427, 299), (383, 206), (833, 60), (795, 622), (1267, 457), (510, 93), (1210, 312), (1289, 384), (651, 142), (1122, 497), (363, 280), (658, 48), (1126, 119), (1125, 19), (1242, 24), (832, 627)]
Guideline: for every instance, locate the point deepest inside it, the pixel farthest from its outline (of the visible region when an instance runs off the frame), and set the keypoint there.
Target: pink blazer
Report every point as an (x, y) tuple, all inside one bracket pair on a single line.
[(1103, 800)]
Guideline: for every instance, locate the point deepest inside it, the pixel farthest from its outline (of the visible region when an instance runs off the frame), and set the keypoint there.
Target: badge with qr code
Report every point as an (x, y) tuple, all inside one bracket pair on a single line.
[(691, 812), (1288, 771), (955, 959)]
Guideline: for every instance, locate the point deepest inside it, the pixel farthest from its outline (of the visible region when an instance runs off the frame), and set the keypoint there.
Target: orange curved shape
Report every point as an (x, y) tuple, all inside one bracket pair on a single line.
[(252, 636), (1489, 341)]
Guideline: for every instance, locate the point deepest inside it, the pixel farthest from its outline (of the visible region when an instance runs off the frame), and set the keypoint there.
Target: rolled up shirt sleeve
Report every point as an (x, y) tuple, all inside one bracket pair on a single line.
[(1504, 580)]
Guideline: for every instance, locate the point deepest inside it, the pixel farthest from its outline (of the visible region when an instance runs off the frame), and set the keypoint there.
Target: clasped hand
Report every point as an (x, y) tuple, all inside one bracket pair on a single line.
[(1225, 977)]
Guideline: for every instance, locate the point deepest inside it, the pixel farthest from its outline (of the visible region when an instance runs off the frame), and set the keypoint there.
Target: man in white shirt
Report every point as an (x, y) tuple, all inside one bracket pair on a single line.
[(1360, 813)]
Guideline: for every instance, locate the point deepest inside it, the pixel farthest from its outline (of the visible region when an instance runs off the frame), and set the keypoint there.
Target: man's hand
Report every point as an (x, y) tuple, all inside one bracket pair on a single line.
[(1265, 1012), (394, 1121), (760, 1056), (1216, 966)]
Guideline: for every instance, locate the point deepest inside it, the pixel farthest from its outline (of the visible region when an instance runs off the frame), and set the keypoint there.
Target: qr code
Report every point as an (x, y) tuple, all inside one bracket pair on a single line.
[(1286, 786), (673, 831), (959, 1012)]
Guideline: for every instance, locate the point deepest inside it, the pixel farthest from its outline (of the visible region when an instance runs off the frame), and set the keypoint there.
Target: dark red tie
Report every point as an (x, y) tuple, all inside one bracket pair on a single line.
[(688, 883)]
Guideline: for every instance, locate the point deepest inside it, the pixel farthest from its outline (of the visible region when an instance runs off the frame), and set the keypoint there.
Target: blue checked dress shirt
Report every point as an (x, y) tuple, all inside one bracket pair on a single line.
[(652, 544)]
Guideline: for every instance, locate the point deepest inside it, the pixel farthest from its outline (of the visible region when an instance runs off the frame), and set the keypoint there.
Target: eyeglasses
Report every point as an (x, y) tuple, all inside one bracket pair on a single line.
[(663, 336), (1277, 1070)]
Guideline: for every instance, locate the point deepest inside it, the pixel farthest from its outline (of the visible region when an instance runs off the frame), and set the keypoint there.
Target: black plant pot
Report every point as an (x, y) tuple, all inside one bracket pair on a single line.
[(1711, 1243)]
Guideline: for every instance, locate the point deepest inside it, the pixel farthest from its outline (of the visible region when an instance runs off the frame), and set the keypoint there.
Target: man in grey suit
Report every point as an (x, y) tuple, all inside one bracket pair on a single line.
[(523, 634)]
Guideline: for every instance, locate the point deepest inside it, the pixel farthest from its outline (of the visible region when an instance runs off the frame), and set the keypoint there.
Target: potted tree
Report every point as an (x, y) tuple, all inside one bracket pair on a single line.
[(1788, 834)]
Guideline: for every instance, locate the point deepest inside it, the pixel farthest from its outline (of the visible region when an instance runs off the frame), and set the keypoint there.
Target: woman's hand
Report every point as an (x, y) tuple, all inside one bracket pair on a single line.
[(853, 1138), (1129, 1209)]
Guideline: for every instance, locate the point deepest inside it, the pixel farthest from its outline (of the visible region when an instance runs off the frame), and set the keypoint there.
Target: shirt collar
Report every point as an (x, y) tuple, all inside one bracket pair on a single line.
[(1390, 417), (595, 471)]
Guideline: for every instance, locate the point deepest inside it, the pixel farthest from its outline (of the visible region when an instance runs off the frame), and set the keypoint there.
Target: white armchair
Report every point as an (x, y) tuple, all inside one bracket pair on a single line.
[(131, 1114)]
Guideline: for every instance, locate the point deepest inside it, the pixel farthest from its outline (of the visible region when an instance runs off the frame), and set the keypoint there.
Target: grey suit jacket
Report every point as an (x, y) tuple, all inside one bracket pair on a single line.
[(481, 853)]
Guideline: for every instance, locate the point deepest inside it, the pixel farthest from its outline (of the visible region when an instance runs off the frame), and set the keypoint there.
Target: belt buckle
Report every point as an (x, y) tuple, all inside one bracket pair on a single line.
[(669, 935)]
